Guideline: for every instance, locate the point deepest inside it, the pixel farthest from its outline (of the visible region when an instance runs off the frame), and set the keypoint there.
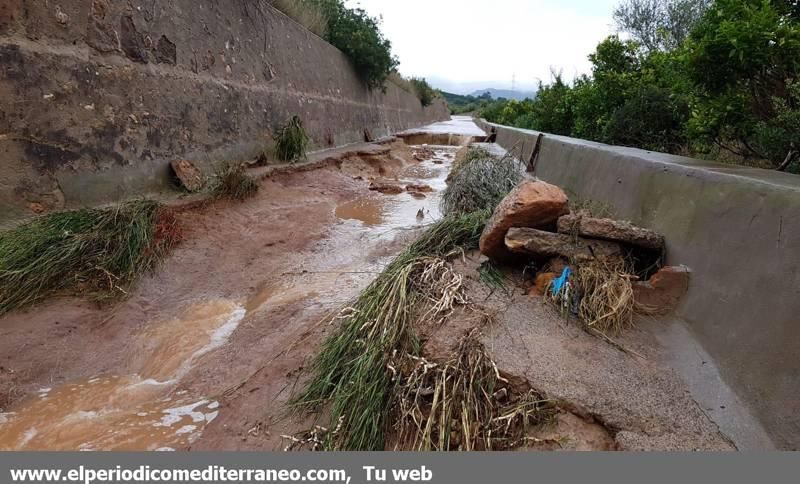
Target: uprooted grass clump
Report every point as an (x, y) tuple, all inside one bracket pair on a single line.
[(350, 375), (463, 404), (291, 141), (480, 182), (231, 181), (600, 294), (100, 251)]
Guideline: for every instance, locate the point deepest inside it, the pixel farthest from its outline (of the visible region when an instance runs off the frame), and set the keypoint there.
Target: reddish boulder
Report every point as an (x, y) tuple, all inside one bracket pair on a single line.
[(190, 177), (531, 204), (662, 293)]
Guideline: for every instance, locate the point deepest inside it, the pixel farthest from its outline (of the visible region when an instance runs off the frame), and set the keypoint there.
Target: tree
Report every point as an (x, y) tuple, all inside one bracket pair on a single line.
[(744, 59), (659, 24)]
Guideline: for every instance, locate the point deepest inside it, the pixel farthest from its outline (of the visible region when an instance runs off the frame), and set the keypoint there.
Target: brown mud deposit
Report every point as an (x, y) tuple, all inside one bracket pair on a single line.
[(204, 352)]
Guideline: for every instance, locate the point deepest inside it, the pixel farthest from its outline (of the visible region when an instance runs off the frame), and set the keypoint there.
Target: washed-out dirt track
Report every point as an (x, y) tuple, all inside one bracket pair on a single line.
[(206, 352)]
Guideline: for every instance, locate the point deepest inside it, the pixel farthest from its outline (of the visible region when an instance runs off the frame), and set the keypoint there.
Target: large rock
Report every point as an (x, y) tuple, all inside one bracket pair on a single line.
[(662, 293), (190, 176), (539, 243), (531, 204), (608, 229)]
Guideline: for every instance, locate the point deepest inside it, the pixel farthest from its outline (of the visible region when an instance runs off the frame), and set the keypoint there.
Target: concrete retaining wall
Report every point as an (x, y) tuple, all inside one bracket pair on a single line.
[(737, 228), (98, 96)]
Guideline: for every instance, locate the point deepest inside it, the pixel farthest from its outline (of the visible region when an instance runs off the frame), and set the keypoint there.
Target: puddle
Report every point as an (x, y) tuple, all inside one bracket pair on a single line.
[(370, 211), (134, 412), (405, 210)]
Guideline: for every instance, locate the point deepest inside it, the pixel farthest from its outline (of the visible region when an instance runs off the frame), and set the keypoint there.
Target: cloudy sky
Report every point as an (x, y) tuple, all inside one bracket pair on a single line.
[(464, 45)]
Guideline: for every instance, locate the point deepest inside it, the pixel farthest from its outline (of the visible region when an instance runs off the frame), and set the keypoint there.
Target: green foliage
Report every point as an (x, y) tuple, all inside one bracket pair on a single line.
[(659, 24), (98, 250), (359, 36), (291, 141), (423, 90), (744, 58), (233, 182)]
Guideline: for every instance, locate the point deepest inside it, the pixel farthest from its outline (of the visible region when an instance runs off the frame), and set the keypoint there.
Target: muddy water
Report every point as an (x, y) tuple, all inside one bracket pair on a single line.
[(142, 409), (137, 411), (383, 213)]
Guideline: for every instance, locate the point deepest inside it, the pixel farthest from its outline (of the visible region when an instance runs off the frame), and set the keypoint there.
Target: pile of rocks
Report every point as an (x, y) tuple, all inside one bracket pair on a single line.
[(534, 221)]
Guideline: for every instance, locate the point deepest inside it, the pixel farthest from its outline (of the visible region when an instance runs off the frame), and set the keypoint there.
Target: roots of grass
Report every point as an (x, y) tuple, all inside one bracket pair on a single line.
[(98, 250), (462, 404)]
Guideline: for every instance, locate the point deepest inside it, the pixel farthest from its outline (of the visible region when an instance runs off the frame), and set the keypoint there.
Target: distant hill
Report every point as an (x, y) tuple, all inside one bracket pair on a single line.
[(505, 94)]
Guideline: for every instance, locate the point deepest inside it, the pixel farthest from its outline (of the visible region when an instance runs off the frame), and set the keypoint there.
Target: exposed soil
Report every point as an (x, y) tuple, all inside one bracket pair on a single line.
[(206, 352)]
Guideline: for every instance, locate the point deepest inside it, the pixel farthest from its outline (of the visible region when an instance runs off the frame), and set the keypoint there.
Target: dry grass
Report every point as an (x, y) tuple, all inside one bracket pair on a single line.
[(462, 404), (350, 375), (309, 16), (604, 294)]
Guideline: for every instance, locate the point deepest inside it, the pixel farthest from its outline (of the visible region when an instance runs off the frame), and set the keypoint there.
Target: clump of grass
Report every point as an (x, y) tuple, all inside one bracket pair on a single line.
[(233, 182), (463, 404), (350, 374), (480, 182), (291, 141), (96, 250), (306, 14), (602, 295)]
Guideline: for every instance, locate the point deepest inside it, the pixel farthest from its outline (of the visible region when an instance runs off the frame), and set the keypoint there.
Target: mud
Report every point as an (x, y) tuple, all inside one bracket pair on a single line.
[(209, 346), (205, 353)]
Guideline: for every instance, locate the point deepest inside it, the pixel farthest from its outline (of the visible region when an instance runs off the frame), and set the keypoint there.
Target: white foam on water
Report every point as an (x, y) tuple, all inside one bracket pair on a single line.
[(218, 338)]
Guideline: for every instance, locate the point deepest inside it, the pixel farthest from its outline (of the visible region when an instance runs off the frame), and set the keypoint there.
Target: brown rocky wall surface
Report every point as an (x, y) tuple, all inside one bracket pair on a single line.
[(99, 96)]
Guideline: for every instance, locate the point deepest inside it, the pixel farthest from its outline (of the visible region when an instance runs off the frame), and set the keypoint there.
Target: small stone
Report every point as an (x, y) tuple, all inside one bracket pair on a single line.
[(386, 188), (662, 293), (190, 177), (419, 188), (36, 208)]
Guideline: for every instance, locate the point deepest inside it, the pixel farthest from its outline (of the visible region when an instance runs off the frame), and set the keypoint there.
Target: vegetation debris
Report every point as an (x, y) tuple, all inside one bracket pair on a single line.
[(102, 251)]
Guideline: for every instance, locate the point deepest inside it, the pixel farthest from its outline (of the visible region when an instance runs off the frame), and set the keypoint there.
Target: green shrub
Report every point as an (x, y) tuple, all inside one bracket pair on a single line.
[(291, 141), (359, 37), (423, 90)]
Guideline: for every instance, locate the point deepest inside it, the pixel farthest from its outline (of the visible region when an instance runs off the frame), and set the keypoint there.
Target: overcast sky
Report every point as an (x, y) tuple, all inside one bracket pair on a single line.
[(464, 45)]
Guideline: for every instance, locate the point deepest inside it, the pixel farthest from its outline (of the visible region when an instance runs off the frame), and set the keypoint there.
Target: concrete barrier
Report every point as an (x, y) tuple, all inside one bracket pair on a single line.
[(99, 96), (737, 228)]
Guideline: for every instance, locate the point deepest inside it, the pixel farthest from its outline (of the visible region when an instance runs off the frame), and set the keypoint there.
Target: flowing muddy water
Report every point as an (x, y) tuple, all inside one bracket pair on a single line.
[(139, 411), (408, 209), (152, 405)]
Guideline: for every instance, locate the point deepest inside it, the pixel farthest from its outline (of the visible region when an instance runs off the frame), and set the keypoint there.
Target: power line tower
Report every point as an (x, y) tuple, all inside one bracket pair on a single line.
[(514, 81)]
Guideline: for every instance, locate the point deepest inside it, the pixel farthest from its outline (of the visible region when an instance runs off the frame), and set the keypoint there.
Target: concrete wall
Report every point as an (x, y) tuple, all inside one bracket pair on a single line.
[(737, 228), (99, 95)]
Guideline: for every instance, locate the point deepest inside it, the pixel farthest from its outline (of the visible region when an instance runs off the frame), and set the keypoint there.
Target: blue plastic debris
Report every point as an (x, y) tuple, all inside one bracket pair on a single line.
[(558, 284)]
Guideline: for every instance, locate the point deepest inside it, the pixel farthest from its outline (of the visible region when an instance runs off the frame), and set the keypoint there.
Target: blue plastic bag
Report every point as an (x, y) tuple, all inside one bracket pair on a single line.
[(558, 284)]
